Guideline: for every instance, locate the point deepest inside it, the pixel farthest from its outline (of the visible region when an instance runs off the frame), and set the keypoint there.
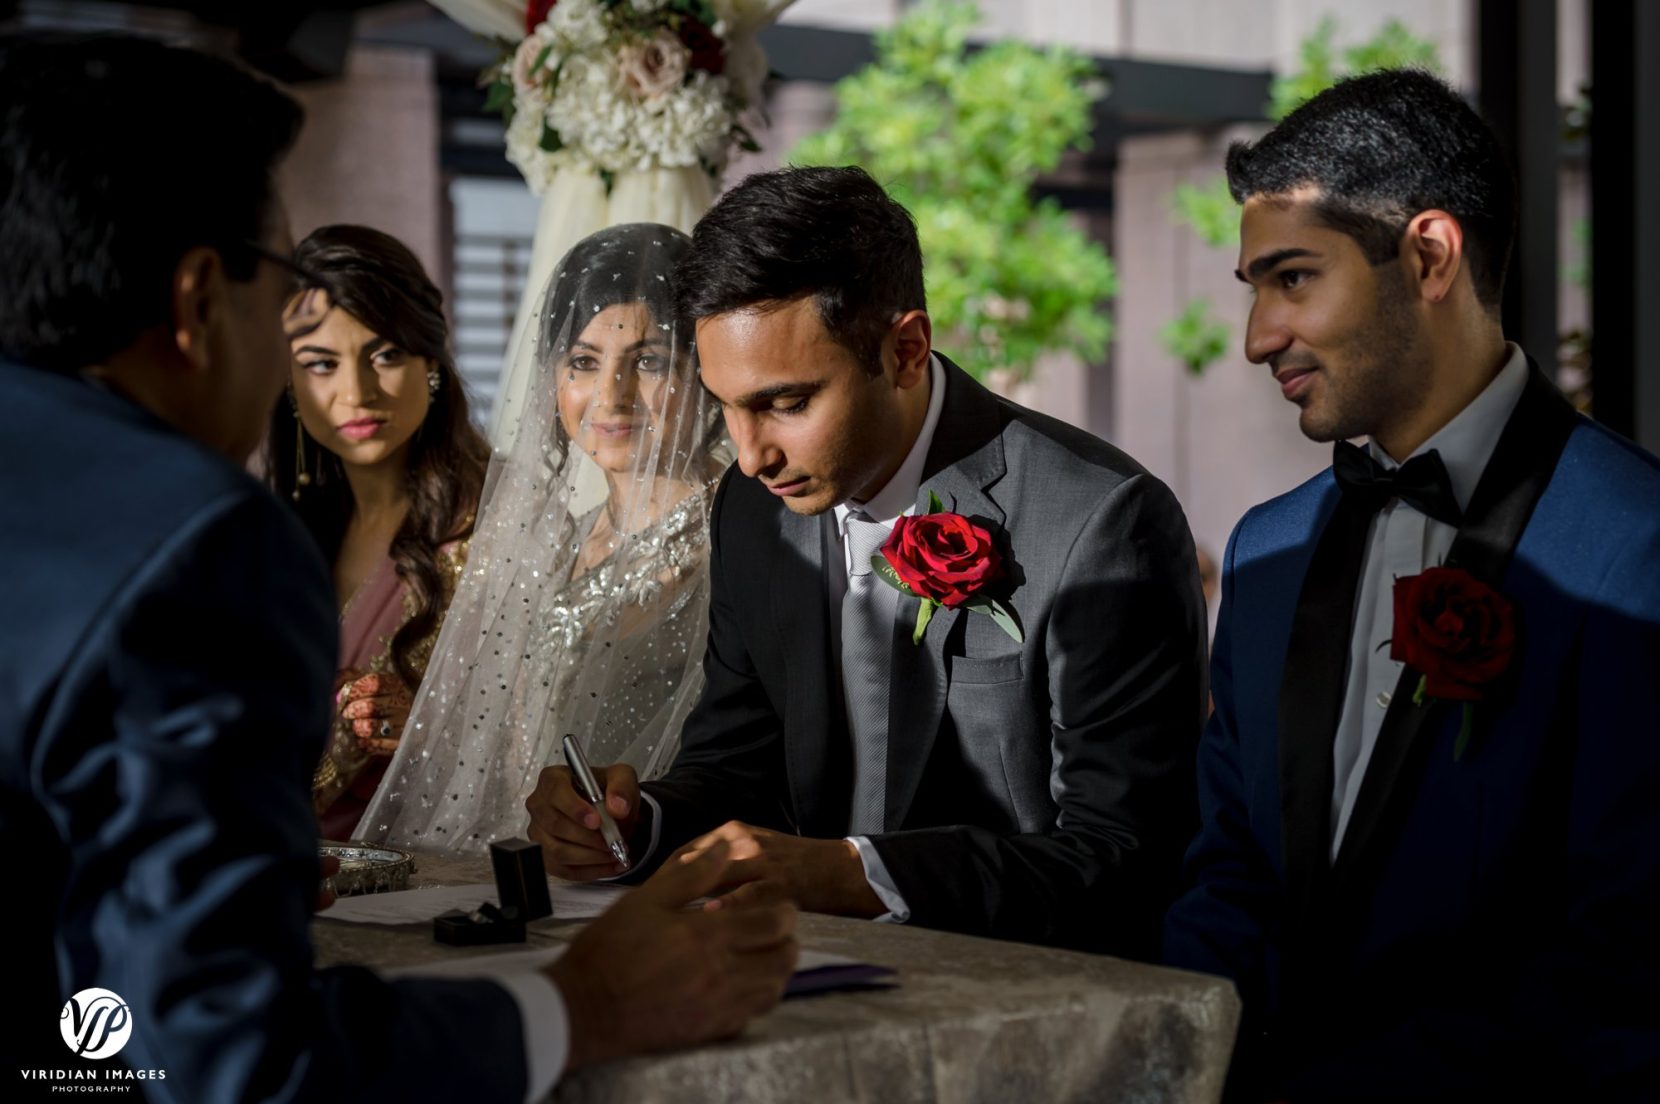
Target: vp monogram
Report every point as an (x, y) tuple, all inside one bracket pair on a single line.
[(95, 1023)]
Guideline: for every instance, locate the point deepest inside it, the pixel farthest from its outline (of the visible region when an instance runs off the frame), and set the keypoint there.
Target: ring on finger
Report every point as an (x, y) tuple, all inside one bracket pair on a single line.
[(386, 730)]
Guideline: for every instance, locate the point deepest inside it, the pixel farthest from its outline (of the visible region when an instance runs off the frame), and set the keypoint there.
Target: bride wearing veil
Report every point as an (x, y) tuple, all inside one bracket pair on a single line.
[(578, 613)]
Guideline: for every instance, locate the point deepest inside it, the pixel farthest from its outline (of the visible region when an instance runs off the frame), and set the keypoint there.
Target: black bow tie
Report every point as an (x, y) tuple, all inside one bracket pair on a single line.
[(1422, 482)]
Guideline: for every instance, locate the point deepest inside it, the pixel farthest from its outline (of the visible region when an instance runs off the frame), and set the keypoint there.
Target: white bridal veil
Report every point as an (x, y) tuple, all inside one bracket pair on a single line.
[(573, 616)]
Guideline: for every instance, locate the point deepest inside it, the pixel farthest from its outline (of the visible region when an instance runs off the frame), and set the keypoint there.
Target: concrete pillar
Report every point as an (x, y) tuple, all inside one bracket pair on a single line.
[(1223, 441), (369, 152)]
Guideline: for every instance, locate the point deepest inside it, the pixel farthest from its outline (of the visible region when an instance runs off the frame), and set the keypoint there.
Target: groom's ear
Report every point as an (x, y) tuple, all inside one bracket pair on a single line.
[(912, 337)]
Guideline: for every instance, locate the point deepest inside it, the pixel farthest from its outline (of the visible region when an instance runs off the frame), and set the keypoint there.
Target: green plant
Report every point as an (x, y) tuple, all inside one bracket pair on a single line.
[(1393, 47), (1210, 211), (959, 138), (1578, 271), (1195, 338)]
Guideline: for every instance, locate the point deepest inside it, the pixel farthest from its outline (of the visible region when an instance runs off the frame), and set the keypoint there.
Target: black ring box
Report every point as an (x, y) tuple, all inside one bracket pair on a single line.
[(522, 886)]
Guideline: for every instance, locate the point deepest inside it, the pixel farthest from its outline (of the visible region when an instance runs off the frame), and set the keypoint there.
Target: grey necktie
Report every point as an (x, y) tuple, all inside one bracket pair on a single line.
[(868, 610)]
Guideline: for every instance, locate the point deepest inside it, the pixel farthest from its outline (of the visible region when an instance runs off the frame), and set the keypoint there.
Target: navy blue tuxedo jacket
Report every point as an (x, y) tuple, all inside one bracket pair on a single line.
[(167, 646), (1489, 928)]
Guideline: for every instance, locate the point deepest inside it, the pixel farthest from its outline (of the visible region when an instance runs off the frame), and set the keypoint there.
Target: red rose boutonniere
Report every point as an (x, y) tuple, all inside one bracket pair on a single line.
[(1458, 633), (945, 560)]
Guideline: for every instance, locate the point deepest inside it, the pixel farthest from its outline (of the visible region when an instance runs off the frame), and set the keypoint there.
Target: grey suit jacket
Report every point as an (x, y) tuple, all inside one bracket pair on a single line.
[(1040, 790)]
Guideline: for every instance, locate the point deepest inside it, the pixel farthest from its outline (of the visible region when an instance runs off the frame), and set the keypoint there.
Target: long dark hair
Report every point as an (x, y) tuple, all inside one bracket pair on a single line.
[(376, 279)]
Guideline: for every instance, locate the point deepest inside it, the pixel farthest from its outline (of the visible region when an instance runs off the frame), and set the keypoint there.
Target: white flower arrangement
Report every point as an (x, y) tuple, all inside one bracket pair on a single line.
[(630, 85)]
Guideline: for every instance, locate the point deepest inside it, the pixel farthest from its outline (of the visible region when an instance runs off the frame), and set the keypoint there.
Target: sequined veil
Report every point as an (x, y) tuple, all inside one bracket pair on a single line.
[(583, 608)]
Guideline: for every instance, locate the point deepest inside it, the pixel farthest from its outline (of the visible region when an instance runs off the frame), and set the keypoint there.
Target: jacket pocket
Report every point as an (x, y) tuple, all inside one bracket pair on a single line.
[(1005, 668)]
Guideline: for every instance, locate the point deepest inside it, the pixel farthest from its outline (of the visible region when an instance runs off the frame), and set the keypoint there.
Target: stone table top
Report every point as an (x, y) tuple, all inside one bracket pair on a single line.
[(971, 1020)]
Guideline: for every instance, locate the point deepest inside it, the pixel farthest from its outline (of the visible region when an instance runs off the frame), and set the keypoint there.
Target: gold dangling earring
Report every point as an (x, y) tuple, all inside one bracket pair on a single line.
[(302, 478)]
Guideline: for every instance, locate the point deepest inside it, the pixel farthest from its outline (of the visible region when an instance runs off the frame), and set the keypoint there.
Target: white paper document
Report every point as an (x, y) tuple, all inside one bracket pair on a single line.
[(419, 906)]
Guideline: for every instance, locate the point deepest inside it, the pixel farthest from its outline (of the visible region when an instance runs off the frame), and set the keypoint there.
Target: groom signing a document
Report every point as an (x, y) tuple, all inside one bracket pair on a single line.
[(956, 648)]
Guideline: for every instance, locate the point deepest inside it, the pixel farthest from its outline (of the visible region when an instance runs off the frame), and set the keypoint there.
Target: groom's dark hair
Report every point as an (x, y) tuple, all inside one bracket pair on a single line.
[(117, 157), (1381, 148), (829, 233)]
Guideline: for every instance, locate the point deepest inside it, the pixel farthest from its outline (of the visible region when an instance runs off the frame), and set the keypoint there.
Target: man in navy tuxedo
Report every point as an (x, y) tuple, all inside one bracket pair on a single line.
[(168, 643), (1430, 848)]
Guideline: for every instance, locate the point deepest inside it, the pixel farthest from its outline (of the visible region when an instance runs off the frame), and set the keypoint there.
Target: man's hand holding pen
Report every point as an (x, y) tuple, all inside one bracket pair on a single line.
[(568, 826)]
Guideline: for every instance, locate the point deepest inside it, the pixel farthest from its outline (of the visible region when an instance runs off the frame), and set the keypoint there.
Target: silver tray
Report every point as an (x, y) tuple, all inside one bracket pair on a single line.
[(368, 867)]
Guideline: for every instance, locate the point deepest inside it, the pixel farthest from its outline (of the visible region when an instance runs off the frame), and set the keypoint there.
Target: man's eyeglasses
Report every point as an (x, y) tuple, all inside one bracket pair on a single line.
[(305, 277), (308, 307)]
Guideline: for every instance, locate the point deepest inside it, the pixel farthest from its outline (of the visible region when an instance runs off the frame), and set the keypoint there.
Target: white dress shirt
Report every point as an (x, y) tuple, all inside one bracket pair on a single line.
[(896, 499), (1402, 542), (547, 1029)]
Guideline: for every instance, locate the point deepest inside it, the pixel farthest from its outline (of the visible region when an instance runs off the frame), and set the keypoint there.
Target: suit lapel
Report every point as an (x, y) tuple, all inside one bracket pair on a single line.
[(1311, 697), (964, 460), (1521, 467), (820, 776)]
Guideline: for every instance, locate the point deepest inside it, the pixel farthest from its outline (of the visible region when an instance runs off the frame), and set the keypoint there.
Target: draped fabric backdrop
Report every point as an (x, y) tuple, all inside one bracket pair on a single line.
[(576, 204)]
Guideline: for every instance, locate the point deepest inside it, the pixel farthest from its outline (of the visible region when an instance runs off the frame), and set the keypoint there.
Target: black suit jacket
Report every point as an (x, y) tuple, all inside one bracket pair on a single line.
[(1038, 790), (166, 650)]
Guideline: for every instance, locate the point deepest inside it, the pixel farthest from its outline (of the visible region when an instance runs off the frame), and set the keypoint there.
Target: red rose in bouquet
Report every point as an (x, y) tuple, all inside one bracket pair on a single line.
[(708, 51), (535, 12)]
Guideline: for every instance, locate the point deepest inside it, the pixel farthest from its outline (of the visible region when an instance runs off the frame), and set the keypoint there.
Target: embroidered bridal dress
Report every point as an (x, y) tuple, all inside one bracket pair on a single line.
[(574, 615)]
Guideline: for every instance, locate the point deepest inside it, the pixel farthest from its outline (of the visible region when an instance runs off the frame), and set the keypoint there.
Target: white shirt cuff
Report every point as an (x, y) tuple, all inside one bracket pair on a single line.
[(876, 873), (547, 1031), (651, 847)]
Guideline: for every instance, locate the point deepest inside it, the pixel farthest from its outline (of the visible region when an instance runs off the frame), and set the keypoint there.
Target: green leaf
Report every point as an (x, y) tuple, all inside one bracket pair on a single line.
[(1195, 338), (1419, 694), (999, 613), (542, 57), (499, 96), (1465, 729), (551, 141), (935, 506), (1210, 211), (924, 614), (884, 570)]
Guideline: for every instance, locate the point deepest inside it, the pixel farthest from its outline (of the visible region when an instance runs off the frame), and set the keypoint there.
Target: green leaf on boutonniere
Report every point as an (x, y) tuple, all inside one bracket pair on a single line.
[(1464, 730), (924, 615), (884, 571), (1466, 726), (935, 506), (999, 613)]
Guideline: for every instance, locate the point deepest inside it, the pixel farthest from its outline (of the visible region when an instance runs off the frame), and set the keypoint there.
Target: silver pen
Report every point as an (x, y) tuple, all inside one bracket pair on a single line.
[(588, 786)]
